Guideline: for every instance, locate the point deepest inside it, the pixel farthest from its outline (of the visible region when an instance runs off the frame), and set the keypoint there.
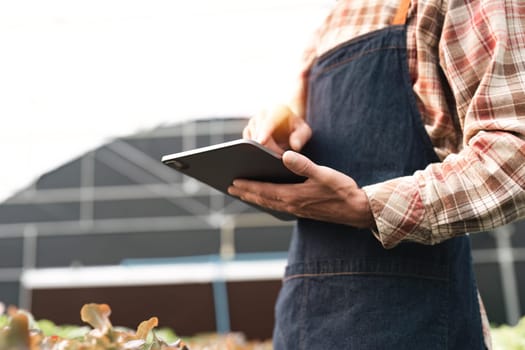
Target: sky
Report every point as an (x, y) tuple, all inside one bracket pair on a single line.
[(75, 74)]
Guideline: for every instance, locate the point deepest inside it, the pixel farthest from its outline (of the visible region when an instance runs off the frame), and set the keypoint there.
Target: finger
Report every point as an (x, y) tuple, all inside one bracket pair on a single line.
[(264, 194), (265, 132), (301, 134), (265, 202), (249, 130), (257, 187), (246, 133), (270, 122), (235, 191), (300, 164), (271, 144)]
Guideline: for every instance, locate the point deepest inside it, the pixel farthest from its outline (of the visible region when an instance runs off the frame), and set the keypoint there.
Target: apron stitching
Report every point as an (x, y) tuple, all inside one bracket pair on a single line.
[(288, 278), (354, 57)]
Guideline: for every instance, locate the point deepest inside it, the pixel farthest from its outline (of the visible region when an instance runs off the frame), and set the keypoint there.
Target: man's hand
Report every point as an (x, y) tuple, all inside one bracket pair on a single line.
[(326, 195), (278, 129)]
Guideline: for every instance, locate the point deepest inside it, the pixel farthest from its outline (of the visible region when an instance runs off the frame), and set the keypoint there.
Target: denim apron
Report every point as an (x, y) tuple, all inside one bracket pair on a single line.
[(342, 289)]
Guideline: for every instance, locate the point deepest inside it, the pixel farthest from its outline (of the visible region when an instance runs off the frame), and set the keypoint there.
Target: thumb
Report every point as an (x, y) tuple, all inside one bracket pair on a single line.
[(265, 132), (300, 164)]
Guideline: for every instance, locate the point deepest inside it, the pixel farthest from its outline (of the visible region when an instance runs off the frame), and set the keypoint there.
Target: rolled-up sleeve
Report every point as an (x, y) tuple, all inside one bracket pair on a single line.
[(482, 53)]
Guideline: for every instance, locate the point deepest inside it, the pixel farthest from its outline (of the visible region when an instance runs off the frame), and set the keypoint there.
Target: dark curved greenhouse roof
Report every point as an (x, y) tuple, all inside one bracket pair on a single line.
[(119, 202)]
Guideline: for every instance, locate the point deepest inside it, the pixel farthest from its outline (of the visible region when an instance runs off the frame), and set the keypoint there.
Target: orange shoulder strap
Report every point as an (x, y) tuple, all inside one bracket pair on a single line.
[(402, 12)]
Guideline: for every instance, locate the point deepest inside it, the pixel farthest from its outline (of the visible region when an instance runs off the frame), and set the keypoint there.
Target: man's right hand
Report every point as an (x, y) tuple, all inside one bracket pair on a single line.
[(279, 129)]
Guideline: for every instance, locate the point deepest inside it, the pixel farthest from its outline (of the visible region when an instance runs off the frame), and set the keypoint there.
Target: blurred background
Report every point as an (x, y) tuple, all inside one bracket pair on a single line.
[(92, 94)]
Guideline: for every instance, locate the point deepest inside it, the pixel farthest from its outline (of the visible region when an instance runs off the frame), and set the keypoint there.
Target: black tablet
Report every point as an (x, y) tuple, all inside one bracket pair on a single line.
[(218, 165)]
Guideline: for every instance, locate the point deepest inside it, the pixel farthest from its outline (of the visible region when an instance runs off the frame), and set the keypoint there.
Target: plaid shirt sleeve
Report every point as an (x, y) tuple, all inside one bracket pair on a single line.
[(482, 53)]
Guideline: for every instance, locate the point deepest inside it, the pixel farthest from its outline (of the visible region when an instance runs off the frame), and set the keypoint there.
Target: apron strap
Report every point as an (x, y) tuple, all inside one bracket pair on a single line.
[(402, 12)]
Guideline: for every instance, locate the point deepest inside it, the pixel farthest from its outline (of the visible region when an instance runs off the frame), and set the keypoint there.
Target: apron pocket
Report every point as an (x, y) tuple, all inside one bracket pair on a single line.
[(361, 311)]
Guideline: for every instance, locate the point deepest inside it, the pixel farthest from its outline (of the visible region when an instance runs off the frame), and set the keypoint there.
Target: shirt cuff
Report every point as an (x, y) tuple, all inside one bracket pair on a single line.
[(399, 212)]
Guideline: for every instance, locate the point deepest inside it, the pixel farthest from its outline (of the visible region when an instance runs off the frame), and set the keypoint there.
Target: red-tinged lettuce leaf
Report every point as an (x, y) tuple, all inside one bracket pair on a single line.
[(19, 335), (159, 344), (97, 315), (145, 327), (16, 336)]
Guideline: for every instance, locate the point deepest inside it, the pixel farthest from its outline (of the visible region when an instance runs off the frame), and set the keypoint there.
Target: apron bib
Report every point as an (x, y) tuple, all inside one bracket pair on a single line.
[(342, 289)]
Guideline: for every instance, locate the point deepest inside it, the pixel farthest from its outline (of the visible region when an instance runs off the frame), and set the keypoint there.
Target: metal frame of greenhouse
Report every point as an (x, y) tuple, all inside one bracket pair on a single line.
[(117, 205)]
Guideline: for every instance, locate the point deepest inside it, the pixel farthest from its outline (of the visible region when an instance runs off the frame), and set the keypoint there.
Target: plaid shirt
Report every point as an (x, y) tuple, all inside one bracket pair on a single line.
[(467, 65)]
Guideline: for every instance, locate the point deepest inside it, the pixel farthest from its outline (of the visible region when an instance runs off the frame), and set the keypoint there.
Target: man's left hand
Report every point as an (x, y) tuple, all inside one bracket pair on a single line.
[(326, 195)]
